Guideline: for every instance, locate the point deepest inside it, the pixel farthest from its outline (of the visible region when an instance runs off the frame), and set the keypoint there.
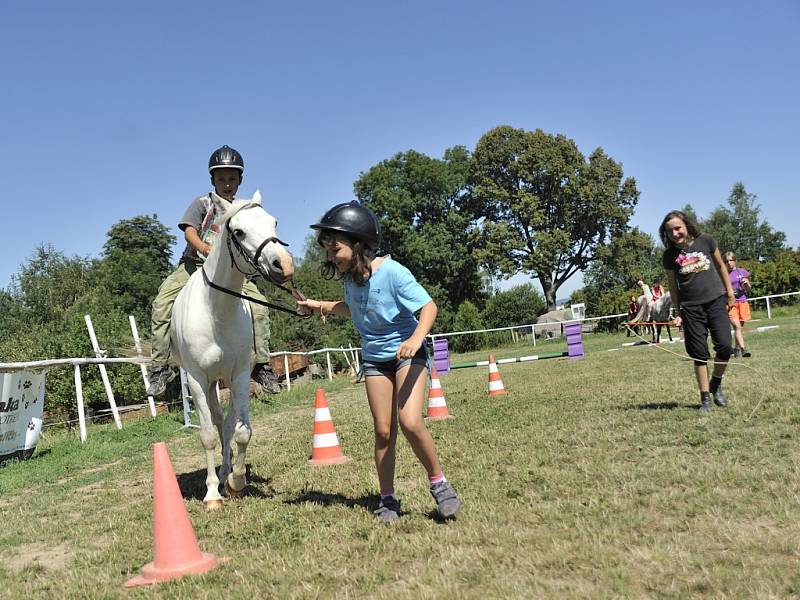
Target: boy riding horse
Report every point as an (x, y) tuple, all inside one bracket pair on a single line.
[(199, 226)]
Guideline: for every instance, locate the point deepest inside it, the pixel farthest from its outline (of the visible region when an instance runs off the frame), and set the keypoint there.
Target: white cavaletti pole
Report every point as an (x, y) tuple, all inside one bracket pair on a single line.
[(106, 383), (138, 344)]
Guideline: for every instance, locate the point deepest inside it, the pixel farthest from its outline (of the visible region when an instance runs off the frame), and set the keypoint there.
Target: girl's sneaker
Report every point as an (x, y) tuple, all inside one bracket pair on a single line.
[(446, 499), (388, 509)]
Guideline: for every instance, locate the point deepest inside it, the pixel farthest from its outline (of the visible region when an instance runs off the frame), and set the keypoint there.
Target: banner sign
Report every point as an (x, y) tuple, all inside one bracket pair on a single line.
[(21, 408)]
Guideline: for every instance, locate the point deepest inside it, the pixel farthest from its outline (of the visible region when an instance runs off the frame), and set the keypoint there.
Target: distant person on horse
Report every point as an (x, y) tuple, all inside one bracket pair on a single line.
[(381, 296), (199, 226), (701, 290), (740, 280), (656, 293)]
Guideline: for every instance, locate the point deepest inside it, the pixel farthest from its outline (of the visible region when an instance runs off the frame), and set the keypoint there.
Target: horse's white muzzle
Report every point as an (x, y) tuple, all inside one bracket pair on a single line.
[(281, 265)]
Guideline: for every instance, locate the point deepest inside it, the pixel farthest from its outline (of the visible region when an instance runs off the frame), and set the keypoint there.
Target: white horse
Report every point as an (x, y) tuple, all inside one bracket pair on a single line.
[(658, 314), (212, 332)]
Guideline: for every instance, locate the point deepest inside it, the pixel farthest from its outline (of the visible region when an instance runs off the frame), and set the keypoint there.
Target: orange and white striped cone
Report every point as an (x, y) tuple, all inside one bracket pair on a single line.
[(325, 449), (496, 387), (437, 407)]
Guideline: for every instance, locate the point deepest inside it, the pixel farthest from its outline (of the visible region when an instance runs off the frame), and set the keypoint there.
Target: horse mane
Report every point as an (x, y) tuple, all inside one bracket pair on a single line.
[(233, 210)]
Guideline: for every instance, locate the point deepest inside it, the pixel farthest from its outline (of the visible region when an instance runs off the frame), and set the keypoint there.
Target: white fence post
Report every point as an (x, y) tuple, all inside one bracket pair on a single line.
[(286, 372), (104, 376), (138, 345), (79, 397), (769, 312), (330, 370)]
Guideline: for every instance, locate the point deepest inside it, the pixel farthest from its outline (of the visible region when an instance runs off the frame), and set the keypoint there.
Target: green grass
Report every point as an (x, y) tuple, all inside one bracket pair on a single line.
[(592, 478)]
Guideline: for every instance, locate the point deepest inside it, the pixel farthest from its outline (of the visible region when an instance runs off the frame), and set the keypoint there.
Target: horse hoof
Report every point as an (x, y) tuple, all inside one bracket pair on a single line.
[(212, 505), (232, 493)]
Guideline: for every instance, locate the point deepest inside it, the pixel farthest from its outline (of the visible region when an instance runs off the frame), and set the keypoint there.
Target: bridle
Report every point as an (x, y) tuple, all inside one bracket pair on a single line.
[(255, 269)]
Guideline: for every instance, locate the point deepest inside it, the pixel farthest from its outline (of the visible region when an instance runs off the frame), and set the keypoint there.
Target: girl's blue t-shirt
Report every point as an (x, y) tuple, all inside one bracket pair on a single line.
[(383, 308)]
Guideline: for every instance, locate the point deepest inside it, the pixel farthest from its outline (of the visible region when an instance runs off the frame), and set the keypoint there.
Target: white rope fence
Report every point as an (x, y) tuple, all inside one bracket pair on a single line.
[(351, 354)]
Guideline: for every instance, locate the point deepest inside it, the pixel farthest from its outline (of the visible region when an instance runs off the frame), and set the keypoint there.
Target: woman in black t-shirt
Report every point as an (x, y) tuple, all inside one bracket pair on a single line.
[(701, 290)]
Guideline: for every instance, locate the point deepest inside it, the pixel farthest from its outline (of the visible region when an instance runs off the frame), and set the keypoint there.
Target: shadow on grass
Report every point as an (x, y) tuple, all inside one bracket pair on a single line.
[(193, 485), (369, 501), (659, 406)]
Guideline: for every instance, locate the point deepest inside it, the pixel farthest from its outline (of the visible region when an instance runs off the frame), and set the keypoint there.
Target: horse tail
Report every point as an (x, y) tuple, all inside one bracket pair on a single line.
[(642, 302)]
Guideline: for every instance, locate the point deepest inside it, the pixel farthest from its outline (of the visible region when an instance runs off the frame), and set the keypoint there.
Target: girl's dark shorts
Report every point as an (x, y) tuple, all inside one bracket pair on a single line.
[(701, 319), (388, 368)]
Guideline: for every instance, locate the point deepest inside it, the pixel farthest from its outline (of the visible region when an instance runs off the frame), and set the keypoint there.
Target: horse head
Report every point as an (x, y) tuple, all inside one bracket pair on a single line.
[(253, 238)]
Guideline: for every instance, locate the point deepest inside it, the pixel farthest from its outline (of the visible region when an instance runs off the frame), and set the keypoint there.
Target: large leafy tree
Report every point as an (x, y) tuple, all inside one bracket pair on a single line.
[(517, 305), (49, 283), (420, 202), (611, 279), (545, 209), (137, 256), (620, 264), (740, 228)]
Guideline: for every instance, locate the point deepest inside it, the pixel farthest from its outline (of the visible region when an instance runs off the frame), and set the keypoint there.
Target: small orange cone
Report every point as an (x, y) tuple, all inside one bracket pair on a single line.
[(495, 383), (437, 407), (325, 449), (175, 548)]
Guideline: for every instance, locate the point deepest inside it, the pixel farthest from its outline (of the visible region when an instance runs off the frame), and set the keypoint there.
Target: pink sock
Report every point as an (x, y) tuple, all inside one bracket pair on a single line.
[(436, 479), (387, 493)]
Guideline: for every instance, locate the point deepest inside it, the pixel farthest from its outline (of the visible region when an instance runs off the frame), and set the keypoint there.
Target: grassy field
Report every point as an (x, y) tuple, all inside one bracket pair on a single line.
[(592, 478)]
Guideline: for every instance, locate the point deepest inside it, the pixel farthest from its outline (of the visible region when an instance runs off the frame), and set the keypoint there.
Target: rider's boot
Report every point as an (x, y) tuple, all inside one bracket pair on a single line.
[(266, 378), (159, 376)]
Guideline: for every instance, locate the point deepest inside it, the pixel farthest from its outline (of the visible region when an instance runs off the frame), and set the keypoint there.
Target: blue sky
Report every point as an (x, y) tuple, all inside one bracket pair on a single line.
[(111, 109)]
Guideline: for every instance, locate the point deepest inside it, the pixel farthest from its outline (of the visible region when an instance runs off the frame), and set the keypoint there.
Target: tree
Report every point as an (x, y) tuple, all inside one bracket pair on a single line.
[(137, 256), (544, 209), (739, 228), (49, 283), (777, 276), (619, 265), (515, 306), (420, 203), (468, 318)]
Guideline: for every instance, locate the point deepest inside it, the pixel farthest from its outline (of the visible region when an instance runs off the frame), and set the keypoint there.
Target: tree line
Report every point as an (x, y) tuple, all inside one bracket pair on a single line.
[(522, 202)]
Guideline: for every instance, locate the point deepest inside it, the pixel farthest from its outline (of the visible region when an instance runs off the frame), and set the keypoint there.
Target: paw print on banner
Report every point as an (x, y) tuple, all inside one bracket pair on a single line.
[(28, 383), (31, 426)]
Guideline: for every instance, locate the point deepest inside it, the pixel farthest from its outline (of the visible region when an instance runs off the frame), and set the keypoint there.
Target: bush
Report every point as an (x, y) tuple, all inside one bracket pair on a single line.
[(467, 319)]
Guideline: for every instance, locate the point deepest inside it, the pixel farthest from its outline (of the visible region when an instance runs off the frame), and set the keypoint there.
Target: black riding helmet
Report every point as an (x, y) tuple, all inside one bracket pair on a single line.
[(225, 158), (355, 220)]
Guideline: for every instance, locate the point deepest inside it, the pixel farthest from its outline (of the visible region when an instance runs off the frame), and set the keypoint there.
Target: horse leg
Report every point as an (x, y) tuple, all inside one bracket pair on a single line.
[(226, 434), (208, 437), (217, 416), (241, 434)]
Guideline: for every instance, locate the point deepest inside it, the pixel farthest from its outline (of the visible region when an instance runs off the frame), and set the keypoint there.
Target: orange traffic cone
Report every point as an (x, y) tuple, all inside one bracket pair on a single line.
[(437, 407), (175, 548), (495, 383), (325, 449)]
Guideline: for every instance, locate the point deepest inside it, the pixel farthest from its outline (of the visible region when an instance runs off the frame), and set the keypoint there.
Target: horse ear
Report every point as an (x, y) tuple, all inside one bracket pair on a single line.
[(256, 198), (219, 203)]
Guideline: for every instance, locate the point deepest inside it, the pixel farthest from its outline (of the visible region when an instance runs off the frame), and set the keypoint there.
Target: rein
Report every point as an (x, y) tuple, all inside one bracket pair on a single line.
[(225, 290), (253, 263)]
